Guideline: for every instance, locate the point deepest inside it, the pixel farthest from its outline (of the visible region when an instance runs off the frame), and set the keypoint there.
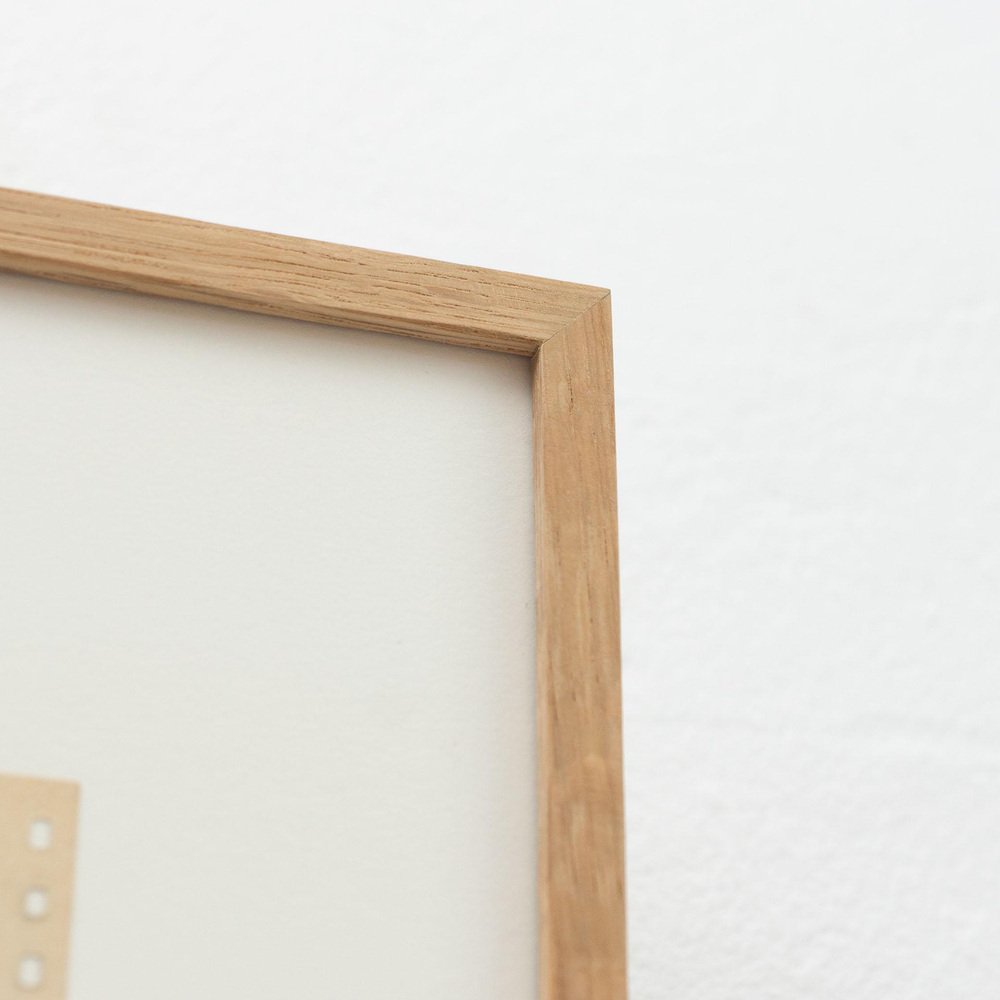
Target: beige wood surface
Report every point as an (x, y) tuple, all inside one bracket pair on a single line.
[(36, 884), (566, 328), (281, 275), (582, 873)]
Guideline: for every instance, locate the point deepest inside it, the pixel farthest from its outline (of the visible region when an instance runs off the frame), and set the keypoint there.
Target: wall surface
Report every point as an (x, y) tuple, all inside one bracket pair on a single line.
[(797, 207)]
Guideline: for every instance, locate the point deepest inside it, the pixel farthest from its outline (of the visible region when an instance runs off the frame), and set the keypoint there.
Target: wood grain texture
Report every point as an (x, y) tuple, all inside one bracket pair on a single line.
[(582, 859), (23, 869), (283, 276), (566, 328)]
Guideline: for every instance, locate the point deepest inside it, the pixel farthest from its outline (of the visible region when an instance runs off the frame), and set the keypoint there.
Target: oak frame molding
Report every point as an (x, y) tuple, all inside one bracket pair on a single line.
[(566, 329)]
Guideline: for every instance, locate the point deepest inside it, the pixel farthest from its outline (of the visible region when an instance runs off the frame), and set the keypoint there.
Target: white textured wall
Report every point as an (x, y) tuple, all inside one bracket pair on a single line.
[(796, 205)]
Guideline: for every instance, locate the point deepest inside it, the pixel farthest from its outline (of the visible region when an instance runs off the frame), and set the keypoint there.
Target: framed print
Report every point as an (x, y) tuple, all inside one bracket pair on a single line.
[(563, 330)]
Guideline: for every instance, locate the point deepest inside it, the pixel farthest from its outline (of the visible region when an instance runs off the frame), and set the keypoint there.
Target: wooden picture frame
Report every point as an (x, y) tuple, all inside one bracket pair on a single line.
[(566, 330)]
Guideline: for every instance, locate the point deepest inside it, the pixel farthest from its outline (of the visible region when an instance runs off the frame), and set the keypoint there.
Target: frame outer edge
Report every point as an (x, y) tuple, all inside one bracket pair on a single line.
[(127, 250), (581, 793)]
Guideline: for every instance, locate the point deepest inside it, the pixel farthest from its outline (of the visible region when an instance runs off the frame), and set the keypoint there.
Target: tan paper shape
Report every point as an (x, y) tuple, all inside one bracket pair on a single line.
[(38, 822)]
